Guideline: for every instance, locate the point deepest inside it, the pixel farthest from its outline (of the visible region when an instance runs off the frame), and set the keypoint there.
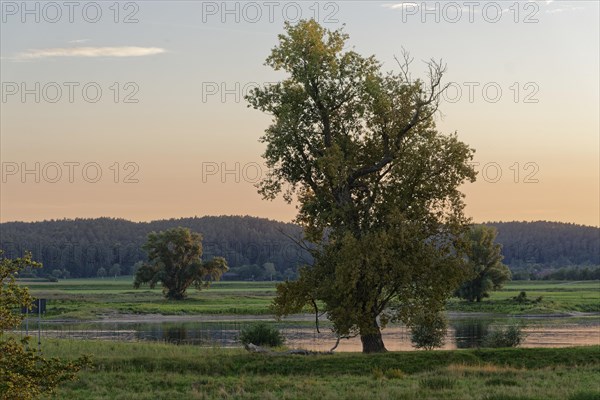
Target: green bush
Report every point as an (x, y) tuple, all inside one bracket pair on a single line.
[(428, 331), (261, 334), (511, 336), (521, 298)]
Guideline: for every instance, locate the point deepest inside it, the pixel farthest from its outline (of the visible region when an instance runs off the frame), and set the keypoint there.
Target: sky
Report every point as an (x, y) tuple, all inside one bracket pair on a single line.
[(135, 109)]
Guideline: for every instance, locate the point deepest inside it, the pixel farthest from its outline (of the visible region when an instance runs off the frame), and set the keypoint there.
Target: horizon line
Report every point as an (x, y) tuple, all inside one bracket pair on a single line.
[(257, 217)]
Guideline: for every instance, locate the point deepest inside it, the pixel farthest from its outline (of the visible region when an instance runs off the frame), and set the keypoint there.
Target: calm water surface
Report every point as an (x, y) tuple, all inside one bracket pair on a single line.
[(464, 332)]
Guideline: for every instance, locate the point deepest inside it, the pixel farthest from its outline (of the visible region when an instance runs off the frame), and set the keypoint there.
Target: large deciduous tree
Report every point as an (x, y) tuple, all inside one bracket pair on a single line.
[(24, 373), (485, 260), (174, 260), (376, 183)]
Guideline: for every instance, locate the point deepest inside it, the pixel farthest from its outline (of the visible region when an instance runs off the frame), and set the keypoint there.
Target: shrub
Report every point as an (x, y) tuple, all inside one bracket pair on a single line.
[(428, 331), (511, 336), (521, 298), (261, 334)]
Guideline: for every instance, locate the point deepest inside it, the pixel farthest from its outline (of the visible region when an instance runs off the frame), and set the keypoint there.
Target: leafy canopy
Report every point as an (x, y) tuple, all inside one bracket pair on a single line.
[(376, 183), (174, 260)]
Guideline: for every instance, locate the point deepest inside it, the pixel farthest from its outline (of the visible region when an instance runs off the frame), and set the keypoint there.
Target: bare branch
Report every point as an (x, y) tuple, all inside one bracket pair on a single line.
[(337, 342)]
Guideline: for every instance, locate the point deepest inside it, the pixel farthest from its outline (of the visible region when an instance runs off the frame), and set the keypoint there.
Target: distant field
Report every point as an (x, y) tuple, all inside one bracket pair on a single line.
[(160, 371), (542, 297), (89, 298)]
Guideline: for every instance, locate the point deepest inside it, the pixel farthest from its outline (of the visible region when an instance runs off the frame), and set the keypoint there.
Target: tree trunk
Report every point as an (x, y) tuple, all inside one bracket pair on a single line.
[(372, 342)]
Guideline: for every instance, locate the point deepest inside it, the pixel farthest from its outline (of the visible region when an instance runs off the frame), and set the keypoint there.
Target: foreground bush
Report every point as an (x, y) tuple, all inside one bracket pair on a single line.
[(24, 373), (261, 334)]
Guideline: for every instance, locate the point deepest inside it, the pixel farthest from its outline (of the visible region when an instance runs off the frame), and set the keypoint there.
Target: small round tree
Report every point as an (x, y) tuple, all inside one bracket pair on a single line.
[(484, 258), (428, 330), (174, 260)]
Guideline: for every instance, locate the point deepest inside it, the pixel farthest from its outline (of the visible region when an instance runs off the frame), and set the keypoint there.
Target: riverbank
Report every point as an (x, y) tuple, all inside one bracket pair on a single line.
[(161, 371)]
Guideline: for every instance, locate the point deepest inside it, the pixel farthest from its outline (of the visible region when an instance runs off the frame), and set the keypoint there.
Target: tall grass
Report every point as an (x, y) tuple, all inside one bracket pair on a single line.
[(161, 371)]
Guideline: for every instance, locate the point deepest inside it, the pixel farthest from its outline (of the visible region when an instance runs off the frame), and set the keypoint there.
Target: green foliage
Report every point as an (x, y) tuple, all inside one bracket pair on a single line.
[(175, 261), (574, 274), (484, 258), (428, 330), (13, 296), (101, 273), (115, 270), (521, 298), (24, 373), (377, 185), (510, 336), (253, 272), (261, 334)]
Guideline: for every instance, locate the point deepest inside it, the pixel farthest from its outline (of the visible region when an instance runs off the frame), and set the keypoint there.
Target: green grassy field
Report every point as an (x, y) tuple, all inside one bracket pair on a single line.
[(161, 371), (553, 297), (90, 298)]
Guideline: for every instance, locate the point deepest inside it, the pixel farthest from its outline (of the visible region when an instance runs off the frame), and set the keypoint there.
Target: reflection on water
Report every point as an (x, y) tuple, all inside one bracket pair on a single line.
[(465, 332), (469, 333)]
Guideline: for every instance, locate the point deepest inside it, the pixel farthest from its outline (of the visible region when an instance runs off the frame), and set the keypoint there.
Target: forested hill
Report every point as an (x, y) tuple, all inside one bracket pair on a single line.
[(82, 246), (548, 244)]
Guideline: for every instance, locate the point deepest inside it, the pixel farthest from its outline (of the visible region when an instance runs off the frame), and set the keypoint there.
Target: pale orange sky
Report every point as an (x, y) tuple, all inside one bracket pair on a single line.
[(176, 54)]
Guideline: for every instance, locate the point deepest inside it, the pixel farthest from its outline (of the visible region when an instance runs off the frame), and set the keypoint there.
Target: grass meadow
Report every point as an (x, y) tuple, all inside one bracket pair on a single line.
[(162, 371), (90, 298)]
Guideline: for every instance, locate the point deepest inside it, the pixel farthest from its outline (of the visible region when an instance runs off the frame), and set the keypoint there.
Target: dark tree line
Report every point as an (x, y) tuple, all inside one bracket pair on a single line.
[(573, 274), (533, 250), (82, 246), (552, 244)]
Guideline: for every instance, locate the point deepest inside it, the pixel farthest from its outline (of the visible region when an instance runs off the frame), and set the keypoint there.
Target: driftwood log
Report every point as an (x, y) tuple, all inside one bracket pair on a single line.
[(252, 348)]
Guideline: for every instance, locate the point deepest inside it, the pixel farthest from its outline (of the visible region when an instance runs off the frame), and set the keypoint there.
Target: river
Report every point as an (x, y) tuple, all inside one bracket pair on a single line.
[(465, 330)]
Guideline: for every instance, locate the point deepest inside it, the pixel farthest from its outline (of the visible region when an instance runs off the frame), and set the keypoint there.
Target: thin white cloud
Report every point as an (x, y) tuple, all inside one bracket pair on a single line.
[(400, 5), (123, 51), (79, 41), (564, 9)]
